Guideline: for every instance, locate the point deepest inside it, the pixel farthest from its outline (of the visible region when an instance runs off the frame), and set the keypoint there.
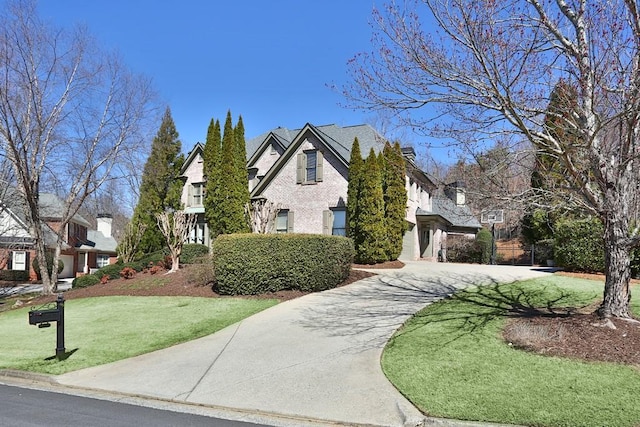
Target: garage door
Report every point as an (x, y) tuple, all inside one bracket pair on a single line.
[(67, 271)]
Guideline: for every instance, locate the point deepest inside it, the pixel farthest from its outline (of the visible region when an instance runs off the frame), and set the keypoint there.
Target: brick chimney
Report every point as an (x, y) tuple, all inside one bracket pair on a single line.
[(104, 224)]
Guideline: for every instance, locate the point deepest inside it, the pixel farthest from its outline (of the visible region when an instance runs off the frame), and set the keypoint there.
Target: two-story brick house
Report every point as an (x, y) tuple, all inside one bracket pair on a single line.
[(83, 248), (305, 172)]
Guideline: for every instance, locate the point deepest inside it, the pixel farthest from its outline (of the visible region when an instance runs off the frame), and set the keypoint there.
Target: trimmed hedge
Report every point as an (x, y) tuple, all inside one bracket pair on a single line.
[(84, 281), (579, 246), (249, 264), (14, 275), (192, 251)]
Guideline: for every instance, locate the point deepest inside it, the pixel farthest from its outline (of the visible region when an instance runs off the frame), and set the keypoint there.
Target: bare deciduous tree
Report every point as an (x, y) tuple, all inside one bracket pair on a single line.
[(488, 68), (130, 241), (262, 215), (69, 113), (175, 227)]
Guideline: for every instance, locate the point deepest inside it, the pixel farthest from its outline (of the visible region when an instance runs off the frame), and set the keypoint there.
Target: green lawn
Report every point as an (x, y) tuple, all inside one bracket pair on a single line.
[(106, 329), (450, 361)]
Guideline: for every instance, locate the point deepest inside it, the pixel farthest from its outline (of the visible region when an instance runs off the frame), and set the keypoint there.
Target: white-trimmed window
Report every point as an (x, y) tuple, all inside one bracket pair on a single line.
[(102, 260), (19, 260)]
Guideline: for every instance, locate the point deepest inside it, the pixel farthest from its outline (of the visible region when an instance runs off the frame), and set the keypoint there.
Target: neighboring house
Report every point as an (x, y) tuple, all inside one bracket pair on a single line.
[(83, 249), (305, 172)]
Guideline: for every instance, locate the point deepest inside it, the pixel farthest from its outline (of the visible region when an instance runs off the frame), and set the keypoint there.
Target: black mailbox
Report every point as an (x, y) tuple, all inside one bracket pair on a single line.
[(44, 316)]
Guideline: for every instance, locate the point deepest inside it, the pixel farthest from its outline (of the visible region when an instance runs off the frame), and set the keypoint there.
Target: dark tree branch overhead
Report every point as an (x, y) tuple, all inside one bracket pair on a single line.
[(486, 69)]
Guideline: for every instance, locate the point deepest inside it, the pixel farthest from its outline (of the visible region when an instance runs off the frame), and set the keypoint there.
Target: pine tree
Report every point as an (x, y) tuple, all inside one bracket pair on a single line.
[(371, 214), (354, 189), (161, 188), (230, 184), (395, 198)]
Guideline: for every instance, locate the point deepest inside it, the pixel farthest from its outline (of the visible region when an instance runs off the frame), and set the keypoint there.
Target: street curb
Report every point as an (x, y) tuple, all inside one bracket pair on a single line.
[(50, 383)]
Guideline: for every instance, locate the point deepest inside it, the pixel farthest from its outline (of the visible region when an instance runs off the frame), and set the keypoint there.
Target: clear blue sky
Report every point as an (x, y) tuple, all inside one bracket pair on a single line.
[(269, 60)]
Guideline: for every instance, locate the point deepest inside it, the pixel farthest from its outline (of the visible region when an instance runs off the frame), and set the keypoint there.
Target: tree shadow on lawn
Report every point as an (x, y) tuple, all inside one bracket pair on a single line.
[(369, 312)]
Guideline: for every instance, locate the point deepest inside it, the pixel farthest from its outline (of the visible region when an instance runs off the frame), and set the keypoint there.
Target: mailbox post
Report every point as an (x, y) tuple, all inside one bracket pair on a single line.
[(43, 319)]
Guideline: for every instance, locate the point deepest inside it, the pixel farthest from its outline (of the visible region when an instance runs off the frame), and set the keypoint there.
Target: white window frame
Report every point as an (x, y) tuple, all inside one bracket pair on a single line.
[(102, 260)]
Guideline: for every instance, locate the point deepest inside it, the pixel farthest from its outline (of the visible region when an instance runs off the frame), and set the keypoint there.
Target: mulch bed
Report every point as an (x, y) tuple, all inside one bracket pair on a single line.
[(177, 284)]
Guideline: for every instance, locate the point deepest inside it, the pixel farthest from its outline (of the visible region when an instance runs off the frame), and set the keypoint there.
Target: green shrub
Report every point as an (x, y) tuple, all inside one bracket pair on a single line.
[(578, 245), (153, 257), (135, 265), (192, 251), (201, 271), (14, 275), (248, 264), (112, 271), (49, 259), (84, 281), (484, 241), (542, 251)]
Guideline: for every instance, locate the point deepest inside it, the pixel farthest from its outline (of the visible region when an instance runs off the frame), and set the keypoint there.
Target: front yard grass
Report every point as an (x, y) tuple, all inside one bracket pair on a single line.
[(451, 362), (105, 329)]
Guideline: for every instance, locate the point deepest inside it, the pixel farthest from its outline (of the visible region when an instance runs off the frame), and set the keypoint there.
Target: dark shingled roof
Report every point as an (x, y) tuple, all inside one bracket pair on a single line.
[(340, 139), (456, 215)]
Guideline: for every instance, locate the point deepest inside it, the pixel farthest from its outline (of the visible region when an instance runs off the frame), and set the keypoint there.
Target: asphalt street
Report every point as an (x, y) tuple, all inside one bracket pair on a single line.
[(24, 407)]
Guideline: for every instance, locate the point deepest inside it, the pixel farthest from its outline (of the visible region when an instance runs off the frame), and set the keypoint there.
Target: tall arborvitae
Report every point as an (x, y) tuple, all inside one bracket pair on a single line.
[(212, 158), (395, 198), (371, 214), (241, 178), (356, 167), (161, 187), (230, 192)]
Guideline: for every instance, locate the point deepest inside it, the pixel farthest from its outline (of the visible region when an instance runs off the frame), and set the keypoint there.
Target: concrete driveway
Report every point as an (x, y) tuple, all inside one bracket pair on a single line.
[(316, 358)]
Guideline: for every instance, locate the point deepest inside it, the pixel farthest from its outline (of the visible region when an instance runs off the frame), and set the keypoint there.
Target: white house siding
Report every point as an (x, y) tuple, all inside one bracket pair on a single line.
[(308, 201), (421, 240), (9, 227)]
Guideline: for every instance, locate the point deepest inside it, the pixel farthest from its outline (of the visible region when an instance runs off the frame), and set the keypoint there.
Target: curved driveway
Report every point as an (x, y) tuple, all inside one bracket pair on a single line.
[(312, 358)]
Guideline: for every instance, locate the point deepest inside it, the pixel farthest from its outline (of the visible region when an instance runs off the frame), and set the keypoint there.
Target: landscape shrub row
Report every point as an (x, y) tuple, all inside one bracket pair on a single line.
[(471, 251), (111, 271), (14, 275), (249, 264)]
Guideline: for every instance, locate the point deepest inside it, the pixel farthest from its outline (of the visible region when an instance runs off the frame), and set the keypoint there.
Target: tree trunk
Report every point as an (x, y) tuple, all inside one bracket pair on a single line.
[(175, 262), (617, 263)]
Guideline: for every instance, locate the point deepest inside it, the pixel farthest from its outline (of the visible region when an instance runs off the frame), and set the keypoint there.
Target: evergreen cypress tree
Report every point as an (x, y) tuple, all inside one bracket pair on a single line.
[(371, 214), (161, 188), (395, 198), (230, 187), (354, 189), (212, 153), (241, 223)]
